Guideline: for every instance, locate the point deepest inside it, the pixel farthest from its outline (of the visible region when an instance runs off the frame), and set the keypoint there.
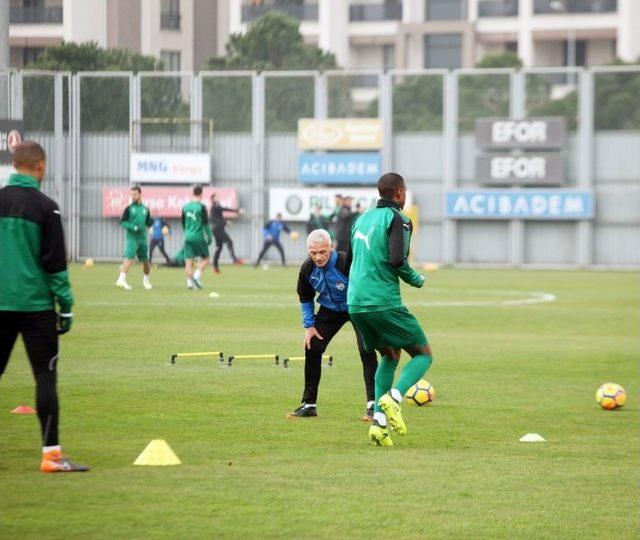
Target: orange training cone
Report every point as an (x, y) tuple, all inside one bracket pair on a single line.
[(24, 409)]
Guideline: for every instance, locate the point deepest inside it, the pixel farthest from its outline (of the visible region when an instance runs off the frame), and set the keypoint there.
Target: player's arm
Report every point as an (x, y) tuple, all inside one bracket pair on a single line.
[(125, 223), (285, 228), (205, 225), (53, 259), (149, 218), (398, 252), (306, 294), (182, 219)]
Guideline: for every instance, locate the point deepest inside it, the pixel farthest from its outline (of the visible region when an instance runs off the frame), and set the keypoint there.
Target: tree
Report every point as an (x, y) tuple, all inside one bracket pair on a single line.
[(272, 42), (104, 101)]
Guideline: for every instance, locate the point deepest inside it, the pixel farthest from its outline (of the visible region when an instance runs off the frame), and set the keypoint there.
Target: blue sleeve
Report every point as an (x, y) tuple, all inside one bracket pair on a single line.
[(308, 318)]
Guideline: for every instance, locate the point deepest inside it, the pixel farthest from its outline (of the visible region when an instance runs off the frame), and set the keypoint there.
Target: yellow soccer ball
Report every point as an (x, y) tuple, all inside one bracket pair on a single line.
[(420, 394), (88, 263), (293, 235), (611, 396), (165, 230)]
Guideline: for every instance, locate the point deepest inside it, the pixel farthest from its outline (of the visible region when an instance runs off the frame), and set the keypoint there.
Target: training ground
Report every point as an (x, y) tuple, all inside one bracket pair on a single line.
[(516, 352)]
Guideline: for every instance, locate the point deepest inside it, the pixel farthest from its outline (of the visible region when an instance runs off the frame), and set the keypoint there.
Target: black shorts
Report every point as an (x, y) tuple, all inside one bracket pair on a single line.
[(39, 333)]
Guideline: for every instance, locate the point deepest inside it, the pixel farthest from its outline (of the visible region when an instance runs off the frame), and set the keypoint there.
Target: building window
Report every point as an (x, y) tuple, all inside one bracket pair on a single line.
[(171, 60), (31, 54), (443, 51), (388, 57), (445, 10), (580, 57), (511, 47), (170, 15)]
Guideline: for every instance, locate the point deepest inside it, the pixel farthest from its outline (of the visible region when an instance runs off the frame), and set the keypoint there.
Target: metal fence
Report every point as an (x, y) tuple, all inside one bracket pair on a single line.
[(85, 121)]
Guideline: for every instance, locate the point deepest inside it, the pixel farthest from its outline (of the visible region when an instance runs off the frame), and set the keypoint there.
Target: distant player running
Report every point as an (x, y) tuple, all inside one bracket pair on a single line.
[(135, 220), (33, 279), (380, 241), (218, 224), (197, 237)]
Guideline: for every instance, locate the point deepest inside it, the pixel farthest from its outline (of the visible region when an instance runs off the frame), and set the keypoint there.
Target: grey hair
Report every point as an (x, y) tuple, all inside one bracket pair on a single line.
[(318, 236)]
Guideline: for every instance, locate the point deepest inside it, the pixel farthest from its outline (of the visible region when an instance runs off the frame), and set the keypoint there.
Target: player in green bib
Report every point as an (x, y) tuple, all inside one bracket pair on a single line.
[(197, 237), (380, 240), (135, 220)]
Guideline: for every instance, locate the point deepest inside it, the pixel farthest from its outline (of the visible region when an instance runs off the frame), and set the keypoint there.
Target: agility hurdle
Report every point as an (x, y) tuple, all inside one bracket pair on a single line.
[(219, 354), (285, 362), (253, 357)]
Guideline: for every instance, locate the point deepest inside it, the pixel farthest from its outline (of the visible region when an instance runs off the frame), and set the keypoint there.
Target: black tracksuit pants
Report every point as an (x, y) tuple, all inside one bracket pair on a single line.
[(267, 244), (328, 324), (40, 335), (222, 238), (160, 245)]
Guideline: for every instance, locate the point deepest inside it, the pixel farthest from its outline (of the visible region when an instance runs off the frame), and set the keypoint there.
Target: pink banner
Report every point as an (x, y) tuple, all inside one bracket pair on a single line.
[(164, 202)]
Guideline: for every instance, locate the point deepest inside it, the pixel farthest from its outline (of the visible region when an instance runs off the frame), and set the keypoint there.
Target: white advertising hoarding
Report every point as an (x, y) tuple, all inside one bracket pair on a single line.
[(297, 204), (170, 168)]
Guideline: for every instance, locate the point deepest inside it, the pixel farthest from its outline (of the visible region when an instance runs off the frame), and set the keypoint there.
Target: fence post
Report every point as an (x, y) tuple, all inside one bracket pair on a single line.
[(584, 242), (74, 202), (450, 164), (385, 113), (320, 101), (517, 110), (257, 161), (58, 129)]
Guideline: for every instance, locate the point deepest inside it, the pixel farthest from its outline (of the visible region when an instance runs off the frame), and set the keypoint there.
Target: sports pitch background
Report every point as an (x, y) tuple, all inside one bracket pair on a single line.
[(515, 352)]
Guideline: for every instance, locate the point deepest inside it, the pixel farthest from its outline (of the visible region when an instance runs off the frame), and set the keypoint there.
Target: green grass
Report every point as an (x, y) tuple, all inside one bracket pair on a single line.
[(500, 371)]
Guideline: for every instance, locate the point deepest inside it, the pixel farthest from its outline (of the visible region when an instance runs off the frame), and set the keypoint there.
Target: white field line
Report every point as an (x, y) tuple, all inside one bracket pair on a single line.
[(522, 298)]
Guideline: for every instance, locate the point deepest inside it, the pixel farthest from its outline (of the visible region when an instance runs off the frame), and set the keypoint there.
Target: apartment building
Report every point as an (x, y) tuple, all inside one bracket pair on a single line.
[(183, 33), (381, 34)]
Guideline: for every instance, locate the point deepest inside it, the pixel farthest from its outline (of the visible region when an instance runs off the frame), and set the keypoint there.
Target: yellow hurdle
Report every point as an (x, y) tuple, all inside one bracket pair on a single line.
[(285, 362), (253, 357), (219, 354)]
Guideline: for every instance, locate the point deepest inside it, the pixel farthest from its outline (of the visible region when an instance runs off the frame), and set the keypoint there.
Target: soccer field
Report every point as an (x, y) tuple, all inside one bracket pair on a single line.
[(515, 352)]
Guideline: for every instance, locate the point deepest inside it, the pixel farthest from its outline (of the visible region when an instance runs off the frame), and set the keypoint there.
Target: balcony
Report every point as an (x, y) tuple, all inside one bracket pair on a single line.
[(498, 8), (302, 12), (559, 7), (389, 11), (35, 15), (169, 21)]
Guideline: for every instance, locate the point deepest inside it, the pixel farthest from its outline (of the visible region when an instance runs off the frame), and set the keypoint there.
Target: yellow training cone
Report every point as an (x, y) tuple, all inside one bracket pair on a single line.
[(157, 452)]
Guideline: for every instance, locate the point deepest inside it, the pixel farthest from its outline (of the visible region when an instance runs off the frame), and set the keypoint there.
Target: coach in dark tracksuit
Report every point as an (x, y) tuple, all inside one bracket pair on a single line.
[(33, 279), (218, 225), (326, 274)]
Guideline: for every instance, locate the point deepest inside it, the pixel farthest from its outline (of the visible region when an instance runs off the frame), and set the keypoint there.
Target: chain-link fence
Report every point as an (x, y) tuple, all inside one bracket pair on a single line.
[(90, 123)]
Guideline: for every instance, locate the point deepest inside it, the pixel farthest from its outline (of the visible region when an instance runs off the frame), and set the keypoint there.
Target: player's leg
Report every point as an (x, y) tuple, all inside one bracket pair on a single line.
[(146, 267), (216, 256), (164, 253), (188, 269), (280, 249), (40, 335), (152, 247), (8, 335), (203, 253), (265, 246), (369, 367), (126, 264), (414, 369), (327, 323), (227, 240)]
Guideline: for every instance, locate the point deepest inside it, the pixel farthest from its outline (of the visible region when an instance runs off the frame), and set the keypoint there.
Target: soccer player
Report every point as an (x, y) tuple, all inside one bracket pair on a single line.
[(379, 247), (271, 232), (197, 237), (218, 224), (344, 221), (135, 220), (157, 238), (33, 279), (326, 274)]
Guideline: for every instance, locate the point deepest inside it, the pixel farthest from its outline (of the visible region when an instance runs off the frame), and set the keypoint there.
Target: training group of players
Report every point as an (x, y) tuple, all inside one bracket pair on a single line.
[(360, 285)]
